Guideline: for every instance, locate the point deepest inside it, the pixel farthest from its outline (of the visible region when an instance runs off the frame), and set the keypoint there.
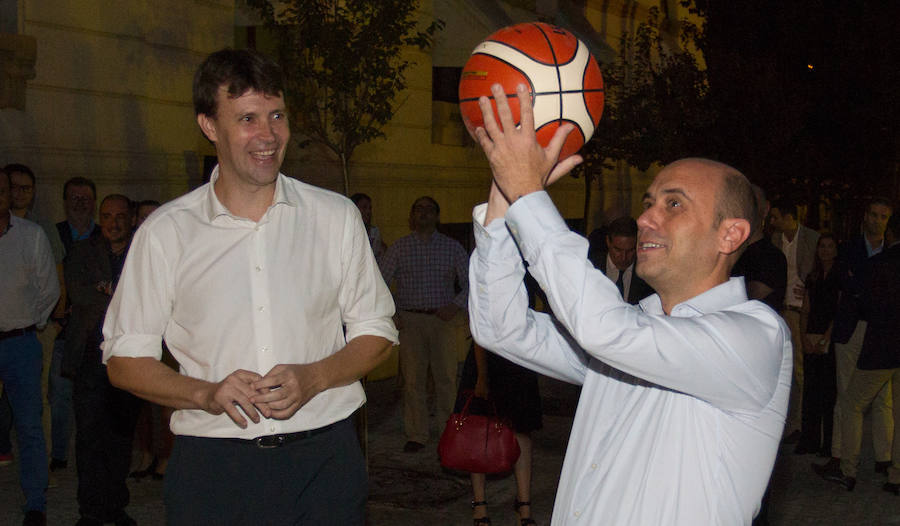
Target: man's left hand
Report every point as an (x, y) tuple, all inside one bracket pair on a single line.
[(519, 164), (287, 388)]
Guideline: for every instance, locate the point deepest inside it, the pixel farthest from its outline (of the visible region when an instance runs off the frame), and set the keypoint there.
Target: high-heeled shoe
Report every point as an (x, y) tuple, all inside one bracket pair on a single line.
[(527, 521), (144, 473), (480, 521)]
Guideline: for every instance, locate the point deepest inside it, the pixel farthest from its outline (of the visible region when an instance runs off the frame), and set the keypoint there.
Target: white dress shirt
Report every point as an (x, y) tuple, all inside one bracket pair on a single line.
[(29, 287), (680, 416), (794, 279), (229, 293)]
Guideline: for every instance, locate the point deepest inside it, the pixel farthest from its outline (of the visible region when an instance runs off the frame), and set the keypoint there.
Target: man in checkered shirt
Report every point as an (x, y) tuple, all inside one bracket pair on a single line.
[(426, 266)]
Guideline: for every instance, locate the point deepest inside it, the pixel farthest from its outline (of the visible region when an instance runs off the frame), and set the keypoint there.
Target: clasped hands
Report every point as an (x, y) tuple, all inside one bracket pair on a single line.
[(278, 394), (520, 165)]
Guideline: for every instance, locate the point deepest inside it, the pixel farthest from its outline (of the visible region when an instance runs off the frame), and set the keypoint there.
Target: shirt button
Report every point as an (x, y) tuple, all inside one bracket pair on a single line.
[(578, 514), (256, 228), (264, 349), (593, 466), (258, 268), (261, 308)]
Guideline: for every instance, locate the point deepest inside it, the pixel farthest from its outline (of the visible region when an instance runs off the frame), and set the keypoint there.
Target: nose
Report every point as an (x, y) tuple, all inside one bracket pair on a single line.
[(267, 132), (647, 219)]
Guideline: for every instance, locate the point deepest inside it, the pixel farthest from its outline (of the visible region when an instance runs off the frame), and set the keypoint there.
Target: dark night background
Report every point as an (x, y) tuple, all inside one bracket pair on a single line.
[(828, 133)]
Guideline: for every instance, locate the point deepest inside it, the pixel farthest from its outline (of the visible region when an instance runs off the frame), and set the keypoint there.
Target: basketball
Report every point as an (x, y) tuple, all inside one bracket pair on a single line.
[(562, 77)]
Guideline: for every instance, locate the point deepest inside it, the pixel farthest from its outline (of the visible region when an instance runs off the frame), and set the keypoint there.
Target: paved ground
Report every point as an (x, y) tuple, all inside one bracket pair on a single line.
[(412, 489)]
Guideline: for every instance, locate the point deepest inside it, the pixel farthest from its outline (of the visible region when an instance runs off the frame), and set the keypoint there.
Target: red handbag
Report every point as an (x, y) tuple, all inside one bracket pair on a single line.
[(478, 443)]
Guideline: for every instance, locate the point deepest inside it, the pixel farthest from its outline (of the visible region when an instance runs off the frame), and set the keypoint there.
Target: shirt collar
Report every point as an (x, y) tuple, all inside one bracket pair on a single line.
[(715, 299), (78, 236), (215, 208), (870, 250)]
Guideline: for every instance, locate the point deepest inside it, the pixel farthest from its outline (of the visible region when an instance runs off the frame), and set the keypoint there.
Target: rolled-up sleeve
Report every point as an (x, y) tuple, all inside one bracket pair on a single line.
[(366, 303), (142, 304)]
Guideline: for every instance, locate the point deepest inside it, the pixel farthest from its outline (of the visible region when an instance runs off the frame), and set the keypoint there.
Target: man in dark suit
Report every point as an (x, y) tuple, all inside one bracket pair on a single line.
[(617, 261), (879, 362), (849, 330), (104, 416)]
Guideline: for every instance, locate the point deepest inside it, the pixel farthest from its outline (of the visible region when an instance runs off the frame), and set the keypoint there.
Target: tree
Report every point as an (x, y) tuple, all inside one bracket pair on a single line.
[(805, 94), (656, 93), (344, 66)]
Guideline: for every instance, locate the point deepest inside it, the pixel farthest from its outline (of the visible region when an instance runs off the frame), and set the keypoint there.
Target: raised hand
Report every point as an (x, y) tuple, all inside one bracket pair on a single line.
[(520, 165)]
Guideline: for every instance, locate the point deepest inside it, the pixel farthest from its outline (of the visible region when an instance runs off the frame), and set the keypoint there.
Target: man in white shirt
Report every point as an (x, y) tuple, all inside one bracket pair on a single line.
[(684, 396), (29, 290), (267, 294)]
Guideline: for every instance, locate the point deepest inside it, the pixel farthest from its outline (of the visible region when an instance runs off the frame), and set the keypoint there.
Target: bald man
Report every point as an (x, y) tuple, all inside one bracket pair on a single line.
[(683, 396)]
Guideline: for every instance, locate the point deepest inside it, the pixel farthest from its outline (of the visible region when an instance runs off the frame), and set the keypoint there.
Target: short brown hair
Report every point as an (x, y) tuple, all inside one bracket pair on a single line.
[(239, 71)]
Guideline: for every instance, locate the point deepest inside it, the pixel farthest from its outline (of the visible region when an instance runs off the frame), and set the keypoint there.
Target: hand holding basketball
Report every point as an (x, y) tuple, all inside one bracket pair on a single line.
[(519, 163), (563, 81)]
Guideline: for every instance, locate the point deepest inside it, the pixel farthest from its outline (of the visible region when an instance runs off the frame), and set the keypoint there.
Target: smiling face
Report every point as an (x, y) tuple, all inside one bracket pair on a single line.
[(116, 221), (251, 135), (681, 251)]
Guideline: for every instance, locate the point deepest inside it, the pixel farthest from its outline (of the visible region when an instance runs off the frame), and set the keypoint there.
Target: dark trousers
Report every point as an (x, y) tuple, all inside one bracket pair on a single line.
[(104, 427), (819, 394), (320, 479)]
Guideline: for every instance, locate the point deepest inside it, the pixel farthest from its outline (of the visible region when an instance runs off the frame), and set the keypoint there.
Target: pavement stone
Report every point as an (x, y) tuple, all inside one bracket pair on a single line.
[(411, 489)]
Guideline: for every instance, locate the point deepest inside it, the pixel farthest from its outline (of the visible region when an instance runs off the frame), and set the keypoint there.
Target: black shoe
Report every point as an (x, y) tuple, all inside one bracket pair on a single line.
[(891, 488), (882, 467), (57, 464), (832, 473), (412, 447), (35, 518), (144, 473)]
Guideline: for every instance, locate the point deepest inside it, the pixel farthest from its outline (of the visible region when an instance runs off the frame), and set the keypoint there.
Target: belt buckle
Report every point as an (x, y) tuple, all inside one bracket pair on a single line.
[(269, 442)]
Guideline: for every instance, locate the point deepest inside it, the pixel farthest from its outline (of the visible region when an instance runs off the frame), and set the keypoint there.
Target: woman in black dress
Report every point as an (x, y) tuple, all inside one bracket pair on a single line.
[(514, 392), (817, 314)]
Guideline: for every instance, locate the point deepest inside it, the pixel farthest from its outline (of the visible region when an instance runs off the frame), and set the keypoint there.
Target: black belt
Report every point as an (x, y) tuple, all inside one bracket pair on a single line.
[(421, 311), (17, 332), (273, 441)]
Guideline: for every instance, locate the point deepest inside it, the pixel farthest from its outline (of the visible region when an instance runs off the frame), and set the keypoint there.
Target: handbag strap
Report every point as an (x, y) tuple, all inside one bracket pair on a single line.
[(465, 410)]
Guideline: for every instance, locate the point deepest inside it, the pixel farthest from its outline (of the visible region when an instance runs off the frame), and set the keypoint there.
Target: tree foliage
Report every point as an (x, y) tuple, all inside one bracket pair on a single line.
[(656, 96), (344, 66), (656, 107), (806, 98)]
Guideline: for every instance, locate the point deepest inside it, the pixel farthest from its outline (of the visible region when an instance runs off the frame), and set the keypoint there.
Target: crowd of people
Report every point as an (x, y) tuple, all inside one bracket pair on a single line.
[(189, 323)]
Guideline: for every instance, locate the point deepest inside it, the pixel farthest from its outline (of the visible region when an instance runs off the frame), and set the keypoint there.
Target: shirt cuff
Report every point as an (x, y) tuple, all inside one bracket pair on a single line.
[(133, 346), (532, 219)]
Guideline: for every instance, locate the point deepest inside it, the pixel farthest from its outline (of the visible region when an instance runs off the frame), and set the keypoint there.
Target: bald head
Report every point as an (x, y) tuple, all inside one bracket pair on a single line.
[(735, 197)]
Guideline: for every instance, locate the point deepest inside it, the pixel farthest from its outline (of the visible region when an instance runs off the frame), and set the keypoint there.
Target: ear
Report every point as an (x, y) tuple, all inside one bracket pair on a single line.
[(207, 126), (732, 234)]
